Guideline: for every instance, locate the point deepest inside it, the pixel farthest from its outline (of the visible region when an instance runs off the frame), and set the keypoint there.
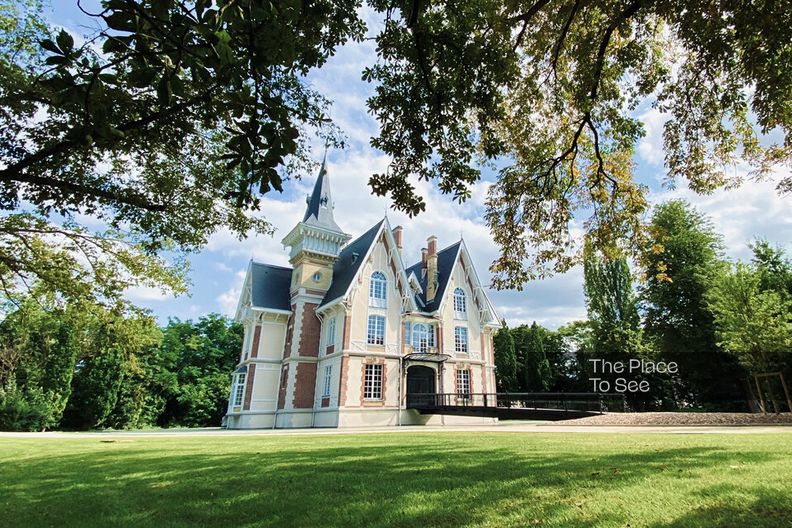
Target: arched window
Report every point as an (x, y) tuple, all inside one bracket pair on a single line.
[(378, 290), (422, 338), (460, 304)]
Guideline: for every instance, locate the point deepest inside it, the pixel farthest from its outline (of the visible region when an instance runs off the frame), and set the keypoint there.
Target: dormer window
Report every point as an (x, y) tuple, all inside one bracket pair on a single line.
[(460, 304), (378, 290)]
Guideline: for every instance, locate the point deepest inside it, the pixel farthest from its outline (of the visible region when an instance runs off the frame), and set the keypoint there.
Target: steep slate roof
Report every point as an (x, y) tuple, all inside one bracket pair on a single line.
[(346, 266), (320, 205), (269, 286), (445, 265)]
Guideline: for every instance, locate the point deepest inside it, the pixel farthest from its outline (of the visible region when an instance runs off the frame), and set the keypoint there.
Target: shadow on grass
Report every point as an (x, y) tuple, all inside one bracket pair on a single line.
[(425, 481)]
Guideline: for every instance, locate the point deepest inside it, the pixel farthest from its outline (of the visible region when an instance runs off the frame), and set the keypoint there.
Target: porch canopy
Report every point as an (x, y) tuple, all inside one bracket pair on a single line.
[(427, 356)]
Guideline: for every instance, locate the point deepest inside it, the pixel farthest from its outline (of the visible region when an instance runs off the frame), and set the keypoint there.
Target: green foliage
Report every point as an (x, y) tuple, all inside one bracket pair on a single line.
[(612, 308), (194, 109), (84, 366), (533, 369), (753, 324), (189, 113), (552, 88), (203, 355), (682, 257), (38, 347), (506, 367)]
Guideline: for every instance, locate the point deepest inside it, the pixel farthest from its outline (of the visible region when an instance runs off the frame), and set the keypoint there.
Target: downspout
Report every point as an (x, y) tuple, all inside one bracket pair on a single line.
[(400, 351)]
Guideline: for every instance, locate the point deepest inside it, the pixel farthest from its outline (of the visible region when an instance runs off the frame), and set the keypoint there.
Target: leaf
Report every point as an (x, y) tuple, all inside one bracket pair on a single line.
[(112, 45), (48, 45), (65, 41), (164, 91)]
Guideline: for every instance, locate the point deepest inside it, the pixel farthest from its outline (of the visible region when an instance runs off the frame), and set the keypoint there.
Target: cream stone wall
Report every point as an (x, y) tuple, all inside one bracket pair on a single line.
[(472, 323), (360, 309)]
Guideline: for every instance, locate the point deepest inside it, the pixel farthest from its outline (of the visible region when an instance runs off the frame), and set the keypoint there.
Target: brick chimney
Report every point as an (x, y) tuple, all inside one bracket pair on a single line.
[(431, 268), (397, 235)]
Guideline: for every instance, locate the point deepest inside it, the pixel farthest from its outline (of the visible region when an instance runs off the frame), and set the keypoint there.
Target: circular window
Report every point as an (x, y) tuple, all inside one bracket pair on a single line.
[(317, 276)]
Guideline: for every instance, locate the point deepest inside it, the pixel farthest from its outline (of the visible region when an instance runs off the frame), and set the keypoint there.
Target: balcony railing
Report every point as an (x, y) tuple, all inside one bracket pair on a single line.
[(566, 401)]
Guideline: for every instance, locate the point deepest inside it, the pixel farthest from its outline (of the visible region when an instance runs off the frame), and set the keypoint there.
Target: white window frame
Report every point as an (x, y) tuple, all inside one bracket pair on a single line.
[(463, 383), (422, 337), (328, 378), (330, 333), (238, 396), (378, 290), (460, 304), (372, 381), (461, 340), (375, 330)]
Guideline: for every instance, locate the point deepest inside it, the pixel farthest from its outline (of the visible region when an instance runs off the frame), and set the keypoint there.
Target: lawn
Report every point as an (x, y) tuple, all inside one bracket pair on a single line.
[(404, 479)]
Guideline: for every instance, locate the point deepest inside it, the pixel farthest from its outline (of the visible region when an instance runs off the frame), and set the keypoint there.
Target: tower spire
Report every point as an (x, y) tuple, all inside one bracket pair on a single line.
[(320, 204)]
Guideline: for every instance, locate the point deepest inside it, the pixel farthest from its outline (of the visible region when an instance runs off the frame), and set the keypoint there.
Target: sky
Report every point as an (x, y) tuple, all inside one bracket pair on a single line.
[(753, 211)]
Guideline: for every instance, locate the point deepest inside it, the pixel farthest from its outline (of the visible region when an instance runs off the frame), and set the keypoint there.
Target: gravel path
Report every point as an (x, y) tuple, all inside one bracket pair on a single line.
[(682, 418)]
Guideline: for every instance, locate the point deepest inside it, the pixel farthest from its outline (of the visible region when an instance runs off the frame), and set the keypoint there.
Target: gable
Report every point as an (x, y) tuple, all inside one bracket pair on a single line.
[(446, 259), (349, 261)]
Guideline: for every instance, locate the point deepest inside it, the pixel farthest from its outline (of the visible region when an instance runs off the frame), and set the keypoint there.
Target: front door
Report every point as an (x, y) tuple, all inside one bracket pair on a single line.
[(420, 387)]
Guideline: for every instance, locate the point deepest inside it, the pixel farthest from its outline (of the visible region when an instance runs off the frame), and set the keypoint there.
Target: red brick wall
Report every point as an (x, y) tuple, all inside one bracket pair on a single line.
[(310, 331), (282, 389), (251, 376), (304, 386), (256, 339)]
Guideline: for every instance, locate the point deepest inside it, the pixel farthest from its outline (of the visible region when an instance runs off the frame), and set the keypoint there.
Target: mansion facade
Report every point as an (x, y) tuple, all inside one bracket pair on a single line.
[(348, 334)]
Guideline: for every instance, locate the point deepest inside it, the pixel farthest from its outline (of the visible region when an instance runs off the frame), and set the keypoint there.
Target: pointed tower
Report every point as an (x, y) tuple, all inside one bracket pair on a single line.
[(316, 241), (315, 245)]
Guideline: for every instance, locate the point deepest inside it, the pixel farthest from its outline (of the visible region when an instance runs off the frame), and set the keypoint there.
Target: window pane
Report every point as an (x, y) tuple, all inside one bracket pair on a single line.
[(378, 287), (463, 383), (372, 382), (376, 330), (460, 340), (327, 379), (239, 390)]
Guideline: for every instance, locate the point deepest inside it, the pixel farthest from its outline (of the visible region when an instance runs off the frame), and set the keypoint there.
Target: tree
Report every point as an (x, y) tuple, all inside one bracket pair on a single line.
[(616, 334), (111, 343), (612, 307), (169, 122), (195, 108), (553, 86), (682, 257), (753, 324), (38, 345), (505, 360), (560, 359), (774, 268), (203, 355), (533, 369)]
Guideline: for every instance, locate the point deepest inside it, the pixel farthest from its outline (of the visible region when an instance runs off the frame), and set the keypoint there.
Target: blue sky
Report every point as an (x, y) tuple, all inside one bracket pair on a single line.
[(753, 211)]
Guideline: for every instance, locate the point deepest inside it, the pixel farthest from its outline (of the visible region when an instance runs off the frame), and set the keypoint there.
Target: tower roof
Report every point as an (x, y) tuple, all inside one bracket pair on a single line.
[(320, 204)]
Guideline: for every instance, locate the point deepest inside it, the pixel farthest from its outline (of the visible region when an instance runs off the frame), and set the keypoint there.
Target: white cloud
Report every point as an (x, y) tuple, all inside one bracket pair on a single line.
[(137, 294), (228, 300), (650, 148), (754, 210)]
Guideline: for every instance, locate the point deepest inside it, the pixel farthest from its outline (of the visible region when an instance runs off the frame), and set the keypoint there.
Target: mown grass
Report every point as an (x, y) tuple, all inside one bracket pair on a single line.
[(399, 480)]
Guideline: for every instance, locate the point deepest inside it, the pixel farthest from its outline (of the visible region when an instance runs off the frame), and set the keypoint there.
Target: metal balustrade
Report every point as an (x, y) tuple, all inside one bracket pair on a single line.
[(567, 402)]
